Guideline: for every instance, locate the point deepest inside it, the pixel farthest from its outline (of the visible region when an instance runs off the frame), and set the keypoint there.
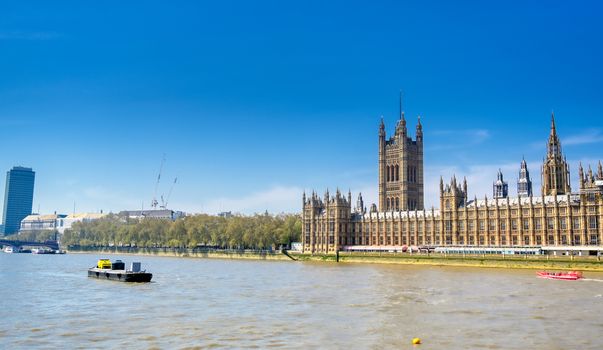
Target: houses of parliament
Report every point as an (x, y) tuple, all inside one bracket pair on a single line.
[(557, 217)]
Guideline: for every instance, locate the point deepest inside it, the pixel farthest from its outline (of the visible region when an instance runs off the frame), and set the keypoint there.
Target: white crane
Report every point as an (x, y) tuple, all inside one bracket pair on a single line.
[(165, 203), (154, 202)]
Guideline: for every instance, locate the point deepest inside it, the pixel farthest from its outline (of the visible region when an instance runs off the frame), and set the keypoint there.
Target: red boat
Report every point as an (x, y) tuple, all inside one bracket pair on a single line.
[(567, 276)]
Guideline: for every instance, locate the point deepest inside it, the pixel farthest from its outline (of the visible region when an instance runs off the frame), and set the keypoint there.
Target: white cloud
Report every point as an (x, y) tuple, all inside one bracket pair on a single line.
[(462, 138), (275, 200), (587, 137)]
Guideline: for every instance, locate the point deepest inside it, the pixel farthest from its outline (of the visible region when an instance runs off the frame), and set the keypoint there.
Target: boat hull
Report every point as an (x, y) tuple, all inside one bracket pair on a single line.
[(120, 275), (560, 276)]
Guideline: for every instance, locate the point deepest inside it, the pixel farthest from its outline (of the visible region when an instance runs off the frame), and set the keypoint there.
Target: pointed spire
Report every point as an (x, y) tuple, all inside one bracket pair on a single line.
[(600, 171), (590, 173), (581, 176), (401, 109), (524, 164), (553, 128)]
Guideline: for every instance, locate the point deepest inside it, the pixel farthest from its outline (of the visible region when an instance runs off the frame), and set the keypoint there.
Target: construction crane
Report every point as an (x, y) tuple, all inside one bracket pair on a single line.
[(165, 203), (154, 202)]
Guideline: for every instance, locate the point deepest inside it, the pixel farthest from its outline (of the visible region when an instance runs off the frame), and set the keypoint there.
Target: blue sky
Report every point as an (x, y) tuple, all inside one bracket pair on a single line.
[(252, 102)]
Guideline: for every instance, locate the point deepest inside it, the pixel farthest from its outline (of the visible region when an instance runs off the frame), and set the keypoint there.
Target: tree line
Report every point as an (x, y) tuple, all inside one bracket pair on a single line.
[(236, 232)]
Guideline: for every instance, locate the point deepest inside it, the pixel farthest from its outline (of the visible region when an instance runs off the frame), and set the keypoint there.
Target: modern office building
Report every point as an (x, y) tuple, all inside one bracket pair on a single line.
[(18, 198)]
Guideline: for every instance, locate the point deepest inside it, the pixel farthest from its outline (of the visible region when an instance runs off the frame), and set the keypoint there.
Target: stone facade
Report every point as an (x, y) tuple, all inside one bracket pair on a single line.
[(556, 218), (401, 168)]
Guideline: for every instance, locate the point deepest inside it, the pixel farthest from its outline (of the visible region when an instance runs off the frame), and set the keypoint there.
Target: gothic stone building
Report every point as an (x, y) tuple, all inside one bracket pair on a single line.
[(557, 217)]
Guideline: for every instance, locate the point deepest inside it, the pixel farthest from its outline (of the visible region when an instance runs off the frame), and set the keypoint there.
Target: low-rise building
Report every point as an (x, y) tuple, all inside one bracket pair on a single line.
[(56, 222), (36, 222), (66, 222), (165, 214)]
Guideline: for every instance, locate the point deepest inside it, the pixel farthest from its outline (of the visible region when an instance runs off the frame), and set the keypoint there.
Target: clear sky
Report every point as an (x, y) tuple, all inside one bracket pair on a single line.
[(254, 101)]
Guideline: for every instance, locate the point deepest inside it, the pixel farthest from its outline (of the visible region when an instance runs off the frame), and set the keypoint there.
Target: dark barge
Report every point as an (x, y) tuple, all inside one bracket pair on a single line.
[(116, 271)]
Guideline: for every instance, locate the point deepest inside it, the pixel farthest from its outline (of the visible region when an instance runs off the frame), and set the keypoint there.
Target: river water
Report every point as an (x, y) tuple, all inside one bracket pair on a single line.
[(49, 302)]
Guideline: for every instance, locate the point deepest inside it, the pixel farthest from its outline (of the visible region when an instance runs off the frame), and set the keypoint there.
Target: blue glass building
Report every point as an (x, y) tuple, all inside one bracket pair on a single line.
[(18, 197)]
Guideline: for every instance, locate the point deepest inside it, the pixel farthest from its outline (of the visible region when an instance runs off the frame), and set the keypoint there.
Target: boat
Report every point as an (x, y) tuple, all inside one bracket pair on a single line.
[(116, 271), (566, 276), (9, 249), (42, 251)]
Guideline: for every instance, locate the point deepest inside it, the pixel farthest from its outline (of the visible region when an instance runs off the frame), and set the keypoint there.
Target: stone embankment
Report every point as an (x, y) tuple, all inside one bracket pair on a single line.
[(541, 262)]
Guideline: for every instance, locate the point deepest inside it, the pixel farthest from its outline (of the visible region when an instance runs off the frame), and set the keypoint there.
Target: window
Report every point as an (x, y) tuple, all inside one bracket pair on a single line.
[(594, 240), (526, 224), (576, 223), (537, 223), (503, 225), (550, 224), (592, 222), (563, 223), (514, 224)]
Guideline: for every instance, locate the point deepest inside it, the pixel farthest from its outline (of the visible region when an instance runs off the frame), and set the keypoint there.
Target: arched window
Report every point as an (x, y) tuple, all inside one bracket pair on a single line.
[(387, 173), (387, 204), (397, 202), (397, 172)]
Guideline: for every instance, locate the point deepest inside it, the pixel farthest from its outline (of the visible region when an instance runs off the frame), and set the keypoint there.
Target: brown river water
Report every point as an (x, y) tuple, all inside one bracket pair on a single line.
[(49, 302)]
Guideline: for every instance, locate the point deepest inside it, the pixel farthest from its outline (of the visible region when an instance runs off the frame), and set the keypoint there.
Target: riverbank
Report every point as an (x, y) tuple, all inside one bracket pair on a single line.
[(185, 253), (538, 262)]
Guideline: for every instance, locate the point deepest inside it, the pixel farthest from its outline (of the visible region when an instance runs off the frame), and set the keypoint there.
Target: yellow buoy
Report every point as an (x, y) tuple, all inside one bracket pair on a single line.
[(416, 341)]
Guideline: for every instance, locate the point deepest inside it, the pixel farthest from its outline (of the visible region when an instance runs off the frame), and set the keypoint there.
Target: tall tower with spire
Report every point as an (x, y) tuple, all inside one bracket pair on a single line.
[(401, 167), (500, 188), (555, 171), (524, 184)]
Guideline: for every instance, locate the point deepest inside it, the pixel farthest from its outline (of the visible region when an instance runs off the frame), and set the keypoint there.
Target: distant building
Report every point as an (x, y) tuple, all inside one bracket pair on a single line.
[(36, 222), (165, 214), (225, 214), (555, 219), (56, 222), (18, 197), (66, 222)]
